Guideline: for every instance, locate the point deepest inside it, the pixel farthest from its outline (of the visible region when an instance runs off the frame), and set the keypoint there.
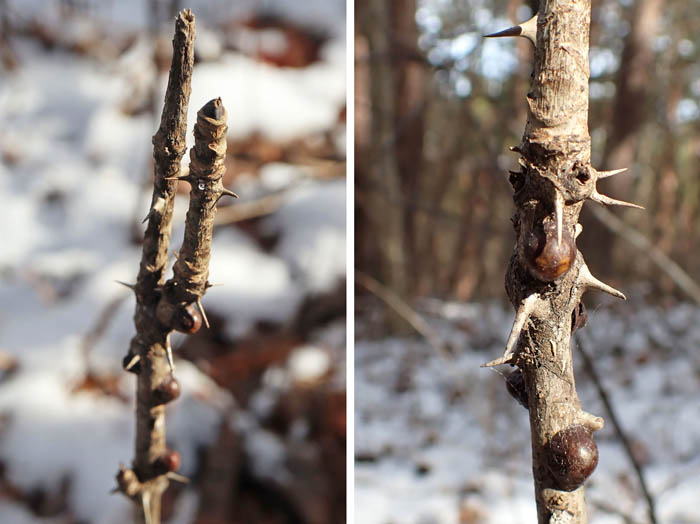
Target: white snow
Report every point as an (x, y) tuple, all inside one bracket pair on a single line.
[(73, 167), (441, 440)]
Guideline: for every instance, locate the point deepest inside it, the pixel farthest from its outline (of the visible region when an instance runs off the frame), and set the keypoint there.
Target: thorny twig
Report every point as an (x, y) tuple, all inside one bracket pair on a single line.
[(174, 305)]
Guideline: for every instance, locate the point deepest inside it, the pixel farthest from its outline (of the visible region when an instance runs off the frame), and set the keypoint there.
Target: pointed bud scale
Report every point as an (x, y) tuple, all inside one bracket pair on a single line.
[(213, 109), (526, 30), (521, 316), (587, 280)]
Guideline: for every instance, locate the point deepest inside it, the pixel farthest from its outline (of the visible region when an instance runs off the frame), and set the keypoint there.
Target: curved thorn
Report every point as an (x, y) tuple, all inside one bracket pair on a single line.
[(606, 174), (201, 309), (558, 212), (608, 201), (521, 316), (224, 192), (526, 30), (588, 280)]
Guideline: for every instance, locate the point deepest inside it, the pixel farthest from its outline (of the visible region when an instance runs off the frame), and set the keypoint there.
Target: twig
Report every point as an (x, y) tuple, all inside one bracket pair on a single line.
[(146, 483), (591, 370), (637, 240), (405, 311)]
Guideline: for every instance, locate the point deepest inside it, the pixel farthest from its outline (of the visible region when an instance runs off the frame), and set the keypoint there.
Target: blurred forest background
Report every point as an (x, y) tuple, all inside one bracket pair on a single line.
[(438, 106), (437, 438), (260, 422)]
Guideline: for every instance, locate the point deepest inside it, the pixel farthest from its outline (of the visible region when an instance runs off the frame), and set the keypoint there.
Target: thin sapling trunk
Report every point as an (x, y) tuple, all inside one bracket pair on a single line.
[(162, 307), (547, 275)]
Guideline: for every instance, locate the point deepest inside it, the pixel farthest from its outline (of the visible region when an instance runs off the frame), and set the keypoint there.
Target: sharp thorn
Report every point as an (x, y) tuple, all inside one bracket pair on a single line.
[(224, 192), (201, 309), (114, 490), (586, 279), (186, 178), (608, 201), (169, 356), (501, 360), (558, 213), (526, 30), (177, 477), (606, 174), (134, 360), (158, 207), (132, 287), (521, 316)]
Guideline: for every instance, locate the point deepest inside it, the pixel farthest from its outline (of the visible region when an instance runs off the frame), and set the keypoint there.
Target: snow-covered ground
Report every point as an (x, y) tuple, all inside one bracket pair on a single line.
[(72, 171), (440, 440)]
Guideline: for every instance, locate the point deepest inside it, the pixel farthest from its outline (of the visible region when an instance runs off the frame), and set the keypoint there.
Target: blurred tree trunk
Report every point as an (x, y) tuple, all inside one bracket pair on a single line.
[(630, 111), (392, 154), (410, 77), (633, 79)]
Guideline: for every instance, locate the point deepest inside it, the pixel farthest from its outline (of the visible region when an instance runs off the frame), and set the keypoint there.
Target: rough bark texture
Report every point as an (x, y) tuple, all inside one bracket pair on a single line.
[(555, 179), (150, 344), (163, 307)]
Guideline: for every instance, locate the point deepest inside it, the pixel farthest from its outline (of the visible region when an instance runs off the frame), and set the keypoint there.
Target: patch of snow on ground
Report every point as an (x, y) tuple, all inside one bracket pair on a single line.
[(69, 197), (441, 441)]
